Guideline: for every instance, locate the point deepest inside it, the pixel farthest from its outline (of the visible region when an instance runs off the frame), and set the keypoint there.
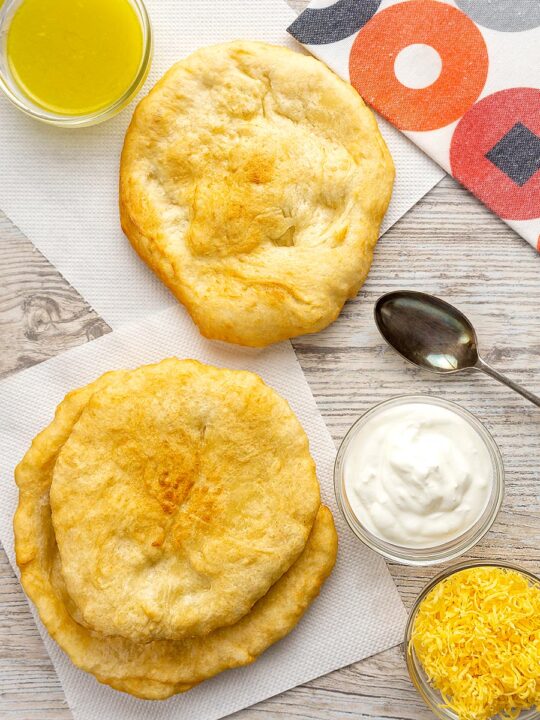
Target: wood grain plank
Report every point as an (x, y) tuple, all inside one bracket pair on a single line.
[(40, 313)]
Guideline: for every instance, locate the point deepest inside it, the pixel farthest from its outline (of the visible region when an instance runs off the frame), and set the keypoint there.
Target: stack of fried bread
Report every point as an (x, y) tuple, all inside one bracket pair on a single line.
[(169, 525)]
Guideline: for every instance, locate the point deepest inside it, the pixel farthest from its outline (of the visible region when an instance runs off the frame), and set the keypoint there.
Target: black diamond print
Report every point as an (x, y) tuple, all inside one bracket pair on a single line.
[(517, 154)]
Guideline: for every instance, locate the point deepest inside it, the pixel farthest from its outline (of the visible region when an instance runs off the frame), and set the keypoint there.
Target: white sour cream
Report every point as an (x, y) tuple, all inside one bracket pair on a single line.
[(417, 475)]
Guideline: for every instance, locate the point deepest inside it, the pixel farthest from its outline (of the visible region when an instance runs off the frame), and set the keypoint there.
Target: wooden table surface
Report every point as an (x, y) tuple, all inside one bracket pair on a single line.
[(449, 245)]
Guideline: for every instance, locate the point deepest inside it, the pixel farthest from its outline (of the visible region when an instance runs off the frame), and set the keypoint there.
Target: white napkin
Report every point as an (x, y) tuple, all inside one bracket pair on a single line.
[(358, 612), (60, 186)]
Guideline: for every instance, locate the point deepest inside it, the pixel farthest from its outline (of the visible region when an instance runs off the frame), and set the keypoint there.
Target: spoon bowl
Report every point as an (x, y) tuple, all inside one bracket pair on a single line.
[(434, 335), (427, 331)]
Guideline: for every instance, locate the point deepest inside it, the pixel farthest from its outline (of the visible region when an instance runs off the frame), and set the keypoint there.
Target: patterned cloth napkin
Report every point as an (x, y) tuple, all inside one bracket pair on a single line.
[(461, 79)]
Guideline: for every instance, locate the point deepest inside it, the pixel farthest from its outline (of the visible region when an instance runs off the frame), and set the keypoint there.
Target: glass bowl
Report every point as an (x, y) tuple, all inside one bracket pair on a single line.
[(429, 694), (445, 551), (24, 103)]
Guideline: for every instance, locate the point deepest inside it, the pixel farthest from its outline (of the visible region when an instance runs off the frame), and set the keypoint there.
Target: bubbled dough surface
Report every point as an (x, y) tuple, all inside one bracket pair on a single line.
[(159, 668), (181, 495), (254, 181)]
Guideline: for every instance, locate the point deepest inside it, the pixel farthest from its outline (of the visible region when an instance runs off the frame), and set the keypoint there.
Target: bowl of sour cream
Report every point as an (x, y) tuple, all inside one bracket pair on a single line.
[(419, 479)]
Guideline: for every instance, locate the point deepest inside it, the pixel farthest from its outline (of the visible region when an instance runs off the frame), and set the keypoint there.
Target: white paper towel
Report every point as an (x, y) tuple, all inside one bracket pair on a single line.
[(359, 611), (60, 186)]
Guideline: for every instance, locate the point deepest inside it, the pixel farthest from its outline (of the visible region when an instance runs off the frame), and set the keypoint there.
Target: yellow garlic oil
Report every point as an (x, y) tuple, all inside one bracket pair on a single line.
[(74, 57)]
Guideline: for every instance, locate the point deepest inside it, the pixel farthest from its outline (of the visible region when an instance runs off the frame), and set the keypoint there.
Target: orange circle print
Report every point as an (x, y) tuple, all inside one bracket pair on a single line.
[(447, 30)]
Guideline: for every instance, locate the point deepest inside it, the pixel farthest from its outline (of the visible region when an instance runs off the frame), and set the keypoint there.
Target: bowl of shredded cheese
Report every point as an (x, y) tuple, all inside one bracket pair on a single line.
[(472, 643)]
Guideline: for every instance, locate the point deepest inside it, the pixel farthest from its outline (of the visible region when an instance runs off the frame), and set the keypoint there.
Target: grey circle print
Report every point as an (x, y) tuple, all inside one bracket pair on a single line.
[(503, 15), (322, 26)]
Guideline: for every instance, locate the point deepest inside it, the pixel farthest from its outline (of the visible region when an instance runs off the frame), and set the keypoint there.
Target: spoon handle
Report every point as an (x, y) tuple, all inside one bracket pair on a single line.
[(482, 365)]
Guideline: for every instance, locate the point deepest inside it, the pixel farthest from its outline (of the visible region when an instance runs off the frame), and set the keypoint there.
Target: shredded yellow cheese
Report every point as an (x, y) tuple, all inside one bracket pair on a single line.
[(477, 635)]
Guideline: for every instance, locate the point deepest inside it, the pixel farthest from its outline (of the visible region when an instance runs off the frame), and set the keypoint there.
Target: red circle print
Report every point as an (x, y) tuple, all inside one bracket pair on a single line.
[(495, 152), (446, 29)]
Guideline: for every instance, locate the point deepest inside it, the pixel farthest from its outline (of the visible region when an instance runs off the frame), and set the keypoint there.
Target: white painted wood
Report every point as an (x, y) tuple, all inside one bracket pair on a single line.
[(448, 244)]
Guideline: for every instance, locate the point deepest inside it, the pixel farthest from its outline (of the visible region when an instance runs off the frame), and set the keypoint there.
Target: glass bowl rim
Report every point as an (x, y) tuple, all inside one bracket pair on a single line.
[(32, 110), (444, 552), (420, 683)]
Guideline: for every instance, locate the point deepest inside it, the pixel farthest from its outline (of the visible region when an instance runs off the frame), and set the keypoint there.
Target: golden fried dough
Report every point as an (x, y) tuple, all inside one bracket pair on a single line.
[(196, 659), (159, 668), (181, 495), (253, 181)]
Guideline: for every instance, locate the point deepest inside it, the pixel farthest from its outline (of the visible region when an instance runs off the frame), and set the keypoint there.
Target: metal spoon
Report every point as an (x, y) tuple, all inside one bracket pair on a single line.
[(434, 335)]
